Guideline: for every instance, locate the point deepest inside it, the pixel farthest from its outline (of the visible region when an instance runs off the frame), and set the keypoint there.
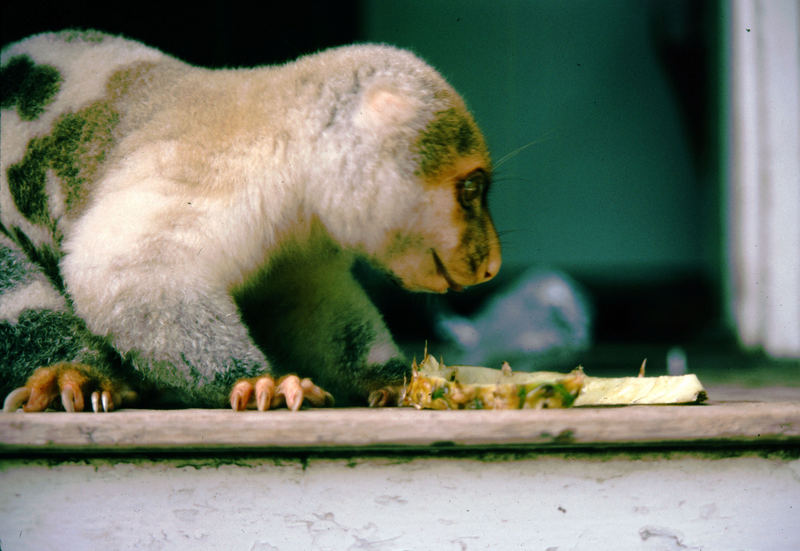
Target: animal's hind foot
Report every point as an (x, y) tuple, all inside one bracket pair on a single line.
[(265, 393), (67, 386)]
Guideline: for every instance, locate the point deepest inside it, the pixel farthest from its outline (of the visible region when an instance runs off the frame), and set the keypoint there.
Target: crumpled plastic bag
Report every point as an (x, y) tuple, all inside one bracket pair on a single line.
[(542, 320)]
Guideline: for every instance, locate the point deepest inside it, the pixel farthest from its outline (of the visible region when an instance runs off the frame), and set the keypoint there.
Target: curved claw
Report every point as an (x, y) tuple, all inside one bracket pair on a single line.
[(16, 398), (107, 401), (315, 395), (71, 398), (386, 396), (265, 390), (240, 395), (102, 400), (378, 398), (67, 402), (292, 391)]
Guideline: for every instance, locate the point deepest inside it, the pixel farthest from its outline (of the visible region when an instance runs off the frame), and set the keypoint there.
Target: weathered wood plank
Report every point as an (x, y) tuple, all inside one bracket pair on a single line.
[(196, 429)]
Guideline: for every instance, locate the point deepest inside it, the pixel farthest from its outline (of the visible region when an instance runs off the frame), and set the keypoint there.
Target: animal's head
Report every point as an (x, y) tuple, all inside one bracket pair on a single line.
[(448, 241), (419, 205)]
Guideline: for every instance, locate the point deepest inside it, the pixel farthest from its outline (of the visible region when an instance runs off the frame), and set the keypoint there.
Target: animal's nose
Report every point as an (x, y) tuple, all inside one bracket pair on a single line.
[(490, 266)]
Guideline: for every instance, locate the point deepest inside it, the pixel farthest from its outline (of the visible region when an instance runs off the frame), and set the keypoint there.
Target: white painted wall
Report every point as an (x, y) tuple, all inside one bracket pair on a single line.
[(538, 502), (764, 219)]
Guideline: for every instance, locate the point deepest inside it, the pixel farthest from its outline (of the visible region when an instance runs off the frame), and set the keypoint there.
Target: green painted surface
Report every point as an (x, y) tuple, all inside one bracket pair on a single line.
[(355, 458), (609, 180)]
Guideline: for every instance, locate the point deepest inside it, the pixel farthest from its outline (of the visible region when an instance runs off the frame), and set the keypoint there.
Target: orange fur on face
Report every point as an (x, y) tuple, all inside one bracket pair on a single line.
[(446, 246)]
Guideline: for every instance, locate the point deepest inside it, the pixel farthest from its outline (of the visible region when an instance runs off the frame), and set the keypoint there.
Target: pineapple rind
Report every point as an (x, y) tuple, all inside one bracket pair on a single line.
[(625, 391)]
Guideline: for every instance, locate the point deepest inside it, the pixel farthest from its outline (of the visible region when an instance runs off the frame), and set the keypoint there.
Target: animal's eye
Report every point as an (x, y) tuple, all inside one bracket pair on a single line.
[(472, 188)]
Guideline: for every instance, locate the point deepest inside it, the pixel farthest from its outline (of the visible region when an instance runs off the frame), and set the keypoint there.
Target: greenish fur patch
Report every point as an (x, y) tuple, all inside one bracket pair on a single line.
[(14, 269), (448, 136), (395, 370), (74, 150), (356, 339), (74, 35), (28, 86), (44, 256), (27, 183), (186, 386), (43, 337)]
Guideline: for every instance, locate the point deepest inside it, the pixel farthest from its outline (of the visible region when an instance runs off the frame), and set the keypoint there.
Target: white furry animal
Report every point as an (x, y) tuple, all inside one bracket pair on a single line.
[(191, 231)]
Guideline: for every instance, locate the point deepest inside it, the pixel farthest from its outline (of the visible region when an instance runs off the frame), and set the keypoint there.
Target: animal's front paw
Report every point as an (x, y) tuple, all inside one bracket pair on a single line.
[(386, 396), (265, 393), (66, 386)]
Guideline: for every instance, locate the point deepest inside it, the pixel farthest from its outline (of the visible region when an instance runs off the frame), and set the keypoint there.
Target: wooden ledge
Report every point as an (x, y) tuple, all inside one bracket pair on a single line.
[(194, 430)]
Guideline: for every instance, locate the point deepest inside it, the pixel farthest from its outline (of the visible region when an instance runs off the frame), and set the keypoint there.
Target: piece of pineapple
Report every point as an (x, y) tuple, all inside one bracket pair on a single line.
[(436, 386)]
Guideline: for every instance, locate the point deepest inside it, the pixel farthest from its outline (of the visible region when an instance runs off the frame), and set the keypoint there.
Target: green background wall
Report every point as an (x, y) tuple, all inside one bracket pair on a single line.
[(608, 187)]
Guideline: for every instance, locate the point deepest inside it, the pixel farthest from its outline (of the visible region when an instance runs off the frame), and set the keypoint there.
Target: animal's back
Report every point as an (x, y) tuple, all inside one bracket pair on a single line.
[(58, 124)]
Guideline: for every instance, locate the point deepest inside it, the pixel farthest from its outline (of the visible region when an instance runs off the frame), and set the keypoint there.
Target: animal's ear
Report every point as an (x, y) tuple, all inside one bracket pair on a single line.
[(385, 107)]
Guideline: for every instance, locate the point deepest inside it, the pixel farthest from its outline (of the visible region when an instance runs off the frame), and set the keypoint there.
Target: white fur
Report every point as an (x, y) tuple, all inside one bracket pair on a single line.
[(36, 295)]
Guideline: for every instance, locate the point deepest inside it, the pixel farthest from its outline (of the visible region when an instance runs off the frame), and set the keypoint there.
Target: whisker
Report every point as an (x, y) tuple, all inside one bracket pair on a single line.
[(508, 156), (510, 238)]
